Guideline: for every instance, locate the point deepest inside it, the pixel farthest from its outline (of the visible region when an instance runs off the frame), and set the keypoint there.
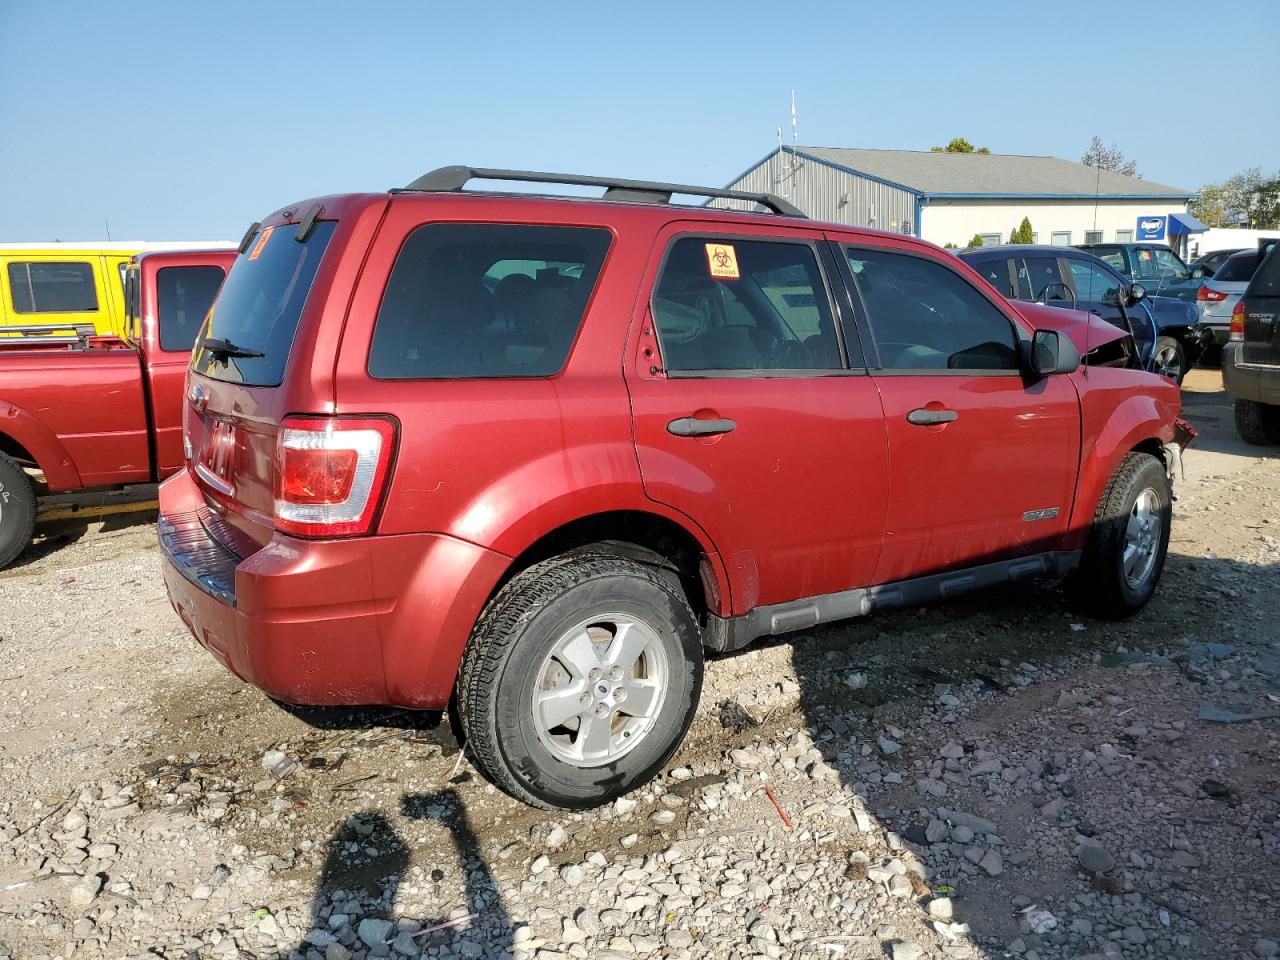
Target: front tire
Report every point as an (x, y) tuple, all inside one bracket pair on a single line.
[(1257, 423), (1170, 359), (17, 510), (580, 680), (1129, 540)]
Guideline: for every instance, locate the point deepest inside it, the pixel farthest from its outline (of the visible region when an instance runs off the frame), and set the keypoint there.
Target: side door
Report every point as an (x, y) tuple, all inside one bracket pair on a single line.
[(1102, 293), (753, 414), (982, 457)]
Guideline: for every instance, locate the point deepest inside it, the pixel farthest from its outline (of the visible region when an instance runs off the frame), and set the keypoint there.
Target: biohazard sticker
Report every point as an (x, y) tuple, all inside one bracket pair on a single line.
[(722, 260), (262, 242)]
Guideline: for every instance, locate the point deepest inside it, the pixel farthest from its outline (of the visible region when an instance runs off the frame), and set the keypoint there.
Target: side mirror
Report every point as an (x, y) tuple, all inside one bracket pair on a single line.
[(1136, 292), (1053, 352)]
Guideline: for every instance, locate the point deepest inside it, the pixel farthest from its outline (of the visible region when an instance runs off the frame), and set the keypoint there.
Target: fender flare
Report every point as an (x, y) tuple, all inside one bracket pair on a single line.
[(1135, 422), (30, 433)]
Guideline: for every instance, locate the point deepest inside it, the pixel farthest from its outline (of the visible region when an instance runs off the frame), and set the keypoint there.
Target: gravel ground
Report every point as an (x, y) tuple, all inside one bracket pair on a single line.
[(997, 776)]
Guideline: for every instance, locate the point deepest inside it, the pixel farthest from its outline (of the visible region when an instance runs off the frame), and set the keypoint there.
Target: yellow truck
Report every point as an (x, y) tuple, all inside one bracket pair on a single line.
[(69, 284)]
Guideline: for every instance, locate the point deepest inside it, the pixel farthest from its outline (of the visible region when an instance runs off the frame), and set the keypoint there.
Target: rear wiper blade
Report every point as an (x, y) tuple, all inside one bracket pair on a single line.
[(222, 350)]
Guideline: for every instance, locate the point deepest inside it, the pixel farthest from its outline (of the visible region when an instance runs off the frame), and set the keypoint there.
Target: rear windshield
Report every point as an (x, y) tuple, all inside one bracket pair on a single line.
[(485, 300), (1266, 282), (1238, 269), (183, 298), (259, 305)]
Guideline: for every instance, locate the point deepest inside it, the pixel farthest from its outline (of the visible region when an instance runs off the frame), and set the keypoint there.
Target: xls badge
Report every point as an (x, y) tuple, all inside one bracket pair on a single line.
[(1048, 513)]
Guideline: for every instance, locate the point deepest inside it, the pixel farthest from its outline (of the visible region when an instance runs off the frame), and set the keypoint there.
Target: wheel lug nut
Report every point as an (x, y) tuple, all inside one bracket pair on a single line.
[(602, 710), (594, 675), (619, 695), (585, 699), (615, 673)]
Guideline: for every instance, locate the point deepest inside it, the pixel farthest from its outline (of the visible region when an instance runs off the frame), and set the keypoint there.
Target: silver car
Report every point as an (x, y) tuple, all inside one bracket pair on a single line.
[(1218, 296)]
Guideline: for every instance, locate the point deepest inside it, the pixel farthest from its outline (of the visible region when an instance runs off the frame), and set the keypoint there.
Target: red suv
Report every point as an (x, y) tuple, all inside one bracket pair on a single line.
[(534, 455)]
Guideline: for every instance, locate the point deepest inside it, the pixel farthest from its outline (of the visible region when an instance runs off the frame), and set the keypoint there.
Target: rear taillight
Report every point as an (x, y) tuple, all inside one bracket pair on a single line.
[(330, 474), (1237, 321), (1205, 295)]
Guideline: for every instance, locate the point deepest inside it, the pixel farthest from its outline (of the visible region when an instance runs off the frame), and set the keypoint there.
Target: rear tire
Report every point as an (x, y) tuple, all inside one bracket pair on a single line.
[(1129, 540), (579, 680), (1257, 423), (1170, 359), (17, 510)]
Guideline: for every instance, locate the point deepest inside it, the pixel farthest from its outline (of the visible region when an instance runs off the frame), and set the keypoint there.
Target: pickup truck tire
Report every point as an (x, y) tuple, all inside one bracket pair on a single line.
[(1125, 552), (1170, 359), (1257, 423), (17, 510), (579, 680)]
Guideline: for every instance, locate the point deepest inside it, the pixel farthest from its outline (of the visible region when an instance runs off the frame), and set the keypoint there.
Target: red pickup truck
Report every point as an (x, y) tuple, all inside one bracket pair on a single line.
[(532, 456), (81, 411)]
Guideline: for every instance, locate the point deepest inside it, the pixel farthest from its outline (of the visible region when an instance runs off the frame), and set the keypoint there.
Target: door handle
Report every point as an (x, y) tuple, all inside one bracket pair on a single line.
[(924, 417), (690, 427)]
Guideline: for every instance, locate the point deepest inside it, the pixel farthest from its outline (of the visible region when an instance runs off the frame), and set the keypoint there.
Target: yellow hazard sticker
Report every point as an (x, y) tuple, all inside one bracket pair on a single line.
[(722, 260), (262, 242)]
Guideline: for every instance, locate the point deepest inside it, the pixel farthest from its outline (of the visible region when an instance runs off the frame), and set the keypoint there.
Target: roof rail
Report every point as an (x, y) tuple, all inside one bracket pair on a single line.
[(453, 179)]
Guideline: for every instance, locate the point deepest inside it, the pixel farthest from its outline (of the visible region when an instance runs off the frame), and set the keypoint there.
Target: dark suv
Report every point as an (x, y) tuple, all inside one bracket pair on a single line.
[(1251, 359), (1163, 328), (531, 456)]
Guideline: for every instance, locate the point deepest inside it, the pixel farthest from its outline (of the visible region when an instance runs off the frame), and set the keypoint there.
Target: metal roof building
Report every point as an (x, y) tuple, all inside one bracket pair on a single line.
[(950, 197)]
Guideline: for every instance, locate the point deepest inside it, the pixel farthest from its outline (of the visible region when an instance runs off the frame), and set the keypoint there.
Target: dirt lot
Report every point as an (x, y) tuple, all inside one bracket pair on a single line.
[(999, 776)]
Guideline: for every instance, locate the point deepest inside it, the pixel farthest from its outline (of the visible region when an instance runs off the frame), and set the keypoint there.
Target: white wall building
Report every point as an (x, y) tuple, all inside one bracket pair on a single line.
[(950, 197)]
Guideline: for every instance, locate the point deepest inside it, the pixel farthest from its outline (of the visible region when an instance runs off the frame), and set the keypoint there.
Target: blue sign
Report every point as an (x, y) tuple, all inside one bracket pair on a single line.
[(1152, 228)]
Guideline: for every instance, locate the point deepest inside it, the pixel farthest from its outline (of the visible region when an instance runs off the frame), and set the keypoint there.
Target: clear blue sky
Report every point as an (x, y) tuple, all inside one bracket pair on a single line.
[(180, 120)]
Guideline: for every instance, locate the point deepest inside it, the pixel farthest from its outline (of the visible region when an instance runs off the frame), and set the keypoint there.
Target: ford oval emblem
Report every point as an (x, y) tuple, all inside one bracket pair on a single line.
[(199, 399)]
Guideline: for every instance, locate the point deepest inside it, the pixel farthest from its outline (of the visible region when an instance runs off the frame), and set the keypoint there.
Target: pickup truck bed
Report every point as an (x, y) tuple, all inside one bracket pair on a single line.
[(79, 410)]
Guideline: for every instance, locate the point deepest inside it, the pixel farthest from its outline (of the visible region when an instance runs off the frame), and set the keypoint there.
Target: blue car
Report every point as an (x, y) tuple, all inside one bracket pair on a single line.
[(1069, 277)]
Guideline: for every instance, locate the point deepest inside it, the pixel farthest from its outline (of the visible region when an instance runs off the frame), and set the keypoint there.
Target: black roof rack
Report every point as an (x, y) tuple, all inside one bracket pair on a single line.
[(453, 179)]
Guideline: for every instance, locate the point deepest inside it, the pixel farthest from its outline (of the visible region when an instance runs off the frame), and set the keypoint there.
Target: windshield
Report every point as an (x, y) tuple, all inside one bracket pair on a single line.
[(257, 310)]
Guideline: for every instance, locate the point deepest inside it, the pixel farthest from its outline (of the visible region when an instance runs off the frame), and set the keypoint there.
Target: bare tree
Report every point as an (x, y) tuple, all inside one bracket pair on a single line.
[(1109, 158)]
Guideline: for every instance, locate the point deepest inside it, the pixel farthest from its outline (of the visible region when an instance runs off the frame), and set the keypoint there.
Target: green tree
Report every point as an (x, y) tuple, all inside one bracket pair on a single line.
[(959, 145), (1024, 233), (1265, 204), (1240, 200), (976, 241), (1211, 208), (1109, 158)]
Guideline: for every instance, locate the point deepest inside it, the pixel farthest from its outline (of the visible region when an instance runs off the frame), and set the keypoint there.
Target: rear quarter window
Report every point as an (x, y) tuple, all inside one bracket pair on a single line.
[(477, 300), (183, 298), (259, 305), (1238, 269)]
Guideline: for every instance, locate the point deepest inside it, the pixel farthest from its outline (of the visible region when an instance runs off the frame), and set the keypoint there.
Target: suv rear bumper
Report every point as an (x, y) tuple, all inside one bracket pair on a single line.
[(1252, 382), (364, 620)]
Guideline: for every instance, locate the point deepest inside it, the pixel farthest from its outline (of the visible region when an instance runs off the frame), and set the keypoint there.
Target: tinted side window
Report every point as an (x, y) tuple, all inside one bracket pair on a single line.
[(738, 304), (183, 297), (1238, 269), (485, 300), (925, 317), (996, 273), (1112, 257), (1145, 266), (1040, 279), (1093, 283), (44, 287), (1266, 282), (1169, 265)]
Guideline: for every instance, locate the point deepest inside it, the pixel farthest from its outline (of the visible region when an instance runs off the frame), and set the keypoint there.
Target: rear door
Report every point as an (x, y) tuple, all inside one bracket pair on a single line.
[(983, 460), (748, 417), (235, 401), (1262, 314)]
